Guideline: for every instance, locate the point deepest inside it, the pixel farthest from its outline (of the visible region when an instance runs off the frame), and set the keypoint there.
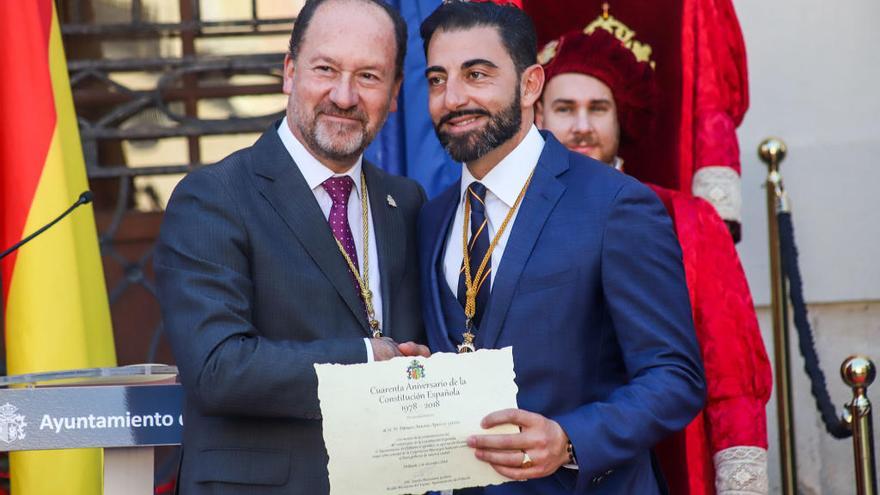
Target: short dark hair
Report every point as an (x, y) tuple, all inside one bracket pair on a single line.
[(513, 25), (311, 6)]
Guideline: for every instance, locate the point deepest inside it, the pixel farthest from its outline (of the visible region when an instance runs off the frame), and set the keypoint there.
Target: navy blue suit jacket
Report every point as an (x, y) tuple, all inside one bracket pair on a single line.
[(591, 294)]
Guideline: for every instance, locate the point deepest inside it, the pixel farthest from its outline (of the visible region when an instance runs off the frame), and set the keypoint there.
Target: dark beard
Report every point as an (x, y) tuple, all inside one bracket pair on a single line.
[(475, 145)]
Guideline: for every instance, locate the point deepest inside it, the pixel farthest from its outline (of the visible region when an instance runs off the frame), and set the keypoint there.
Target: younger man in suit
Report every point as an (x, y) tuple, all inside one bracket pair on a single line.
[(288, 253), (573, 264)]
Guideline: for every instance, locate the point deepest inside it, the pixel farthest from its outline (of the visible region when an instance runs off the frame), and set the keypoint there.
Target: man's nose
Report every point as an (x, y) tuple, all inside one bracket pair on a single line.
[(454, 97), (582, 122), (344, 93)]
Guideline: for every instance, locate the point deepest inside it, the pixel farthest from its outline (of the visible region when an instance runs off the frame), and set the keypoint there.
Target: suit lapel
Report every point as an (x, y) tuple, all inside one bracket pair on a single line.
[(539, 201), (390, 241), (287, 191), (447, 205)]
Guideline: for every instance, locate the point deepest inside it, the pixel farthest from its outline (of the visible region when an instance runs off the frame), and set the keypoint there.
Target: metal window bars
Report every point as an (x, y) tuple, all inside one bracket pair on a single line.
[(139, 79)]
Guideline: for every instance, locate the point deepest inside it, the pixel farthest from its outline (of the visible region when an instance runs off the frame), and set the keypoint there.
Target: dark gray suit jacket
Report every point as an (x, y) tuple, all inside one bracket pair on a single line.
[(254, 292)]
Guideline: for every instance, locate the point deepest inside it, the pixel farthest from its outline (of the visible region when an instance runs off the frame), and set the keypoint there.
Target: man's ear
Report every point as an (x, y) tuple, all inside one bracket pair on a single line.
[(539, 113), (532, 85), (287, 73)]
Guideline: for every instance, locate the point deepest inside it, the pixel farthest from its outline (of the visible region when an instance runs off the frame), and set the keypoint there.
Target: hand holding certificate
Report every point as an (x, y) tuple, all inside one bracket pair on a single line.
[(401, 426)]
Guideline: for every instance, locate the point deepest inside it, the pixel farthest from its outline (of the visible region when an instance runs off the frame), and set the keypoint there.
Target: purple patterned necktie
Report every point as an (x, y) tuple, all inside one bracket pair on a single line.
[(339, 189)]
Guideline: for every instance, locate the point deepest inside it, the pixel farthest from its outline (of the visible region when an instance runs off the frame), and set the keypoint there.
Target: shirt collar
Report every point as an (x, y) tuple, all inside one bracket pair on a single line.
[(507, 179), (311, 168)]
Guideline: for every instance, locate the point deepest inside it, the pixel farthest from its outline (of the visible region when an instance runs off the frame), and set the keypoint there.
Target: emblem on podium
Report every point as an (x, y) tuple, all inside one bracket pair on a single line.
[(12, 424)]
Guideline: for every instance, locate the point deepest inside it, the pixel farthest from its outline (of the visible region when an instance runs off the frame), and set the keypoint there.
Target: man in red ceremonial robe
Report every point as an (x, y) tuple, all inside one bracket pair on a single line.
[(697, 50), (597, 96)]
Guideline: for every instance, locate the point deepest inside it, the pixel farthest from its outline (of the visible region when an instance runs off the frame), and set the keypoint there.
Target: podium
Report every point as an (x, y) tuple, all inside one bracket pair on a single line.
[(127, 411)]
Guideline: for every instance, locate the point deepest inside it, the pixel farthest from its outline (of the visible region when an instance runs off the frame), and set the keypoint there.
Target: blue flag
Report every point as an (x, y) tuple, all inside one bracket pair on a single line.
[(407, 145)]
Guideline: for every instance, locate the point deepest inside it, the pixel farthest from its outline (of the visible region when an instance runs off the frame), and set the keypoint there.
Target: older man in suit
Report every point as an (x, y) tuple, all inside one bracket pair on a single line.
[(573, 264), (288, 253)]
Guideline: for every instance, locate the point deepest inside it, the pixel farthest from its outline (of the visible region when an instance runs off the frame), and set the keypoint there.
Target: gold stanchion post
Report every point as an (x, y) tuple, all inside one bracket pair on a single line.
[(859, 372), (772, 151)]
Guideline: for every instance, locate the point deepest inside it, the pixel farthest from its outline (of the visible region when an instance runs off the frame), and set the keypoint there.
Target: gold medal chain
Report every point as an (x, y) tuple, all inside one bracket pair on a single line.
[(364, 281), (472, 283)]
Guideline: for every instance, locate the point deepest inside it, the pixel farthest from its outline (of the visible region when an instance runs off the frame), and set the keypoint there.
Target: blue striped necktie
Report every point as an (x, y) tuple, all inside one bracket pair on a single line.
[(478, 245)]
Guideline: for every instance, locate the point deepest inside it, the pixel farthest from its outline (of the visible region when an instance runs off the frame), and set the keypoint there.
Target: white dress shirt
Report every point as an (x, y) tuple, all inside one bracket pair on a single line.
[(503, 183), (315, 174)]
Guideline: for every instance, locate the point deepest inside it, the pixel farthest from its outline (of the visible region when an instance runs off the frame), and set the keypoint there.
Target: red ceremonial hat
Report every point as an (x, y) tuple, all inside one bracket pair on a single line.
[(601, 55)]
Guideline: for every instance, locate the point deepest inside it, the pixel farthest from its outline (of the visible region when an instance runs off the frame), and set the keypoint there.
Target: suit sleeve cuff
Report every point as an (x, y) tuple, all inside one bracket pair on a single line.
[(571, 423)]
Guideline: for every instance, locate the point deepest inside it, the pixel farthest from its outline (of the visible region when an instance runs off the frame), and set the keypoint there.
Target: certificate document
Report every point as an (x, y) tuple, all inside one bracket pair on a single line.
[(401, 426)]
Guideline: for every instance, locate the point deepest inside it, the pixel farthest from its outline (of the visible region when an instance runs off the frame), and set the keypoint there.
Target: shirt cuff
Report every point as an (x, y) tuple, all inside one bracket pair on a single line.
[(370, 357)]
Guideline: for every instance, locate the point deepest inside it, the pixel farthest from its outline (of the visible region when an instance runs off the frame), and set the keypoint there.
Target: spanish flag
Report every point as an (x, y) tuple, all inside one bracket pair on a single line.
[(54, 297)]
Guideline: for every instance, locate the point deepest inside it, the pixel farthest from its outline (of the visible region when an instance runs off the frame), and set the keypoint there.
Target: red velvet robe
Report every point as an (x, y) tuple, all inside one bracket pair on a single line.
[(738, 375)]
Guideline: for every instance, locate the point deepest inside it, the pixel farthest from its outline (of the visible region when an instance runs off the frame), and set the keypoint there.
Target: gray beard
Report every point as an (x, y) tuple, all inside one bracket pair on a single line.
[(333, 141), (337, 141)]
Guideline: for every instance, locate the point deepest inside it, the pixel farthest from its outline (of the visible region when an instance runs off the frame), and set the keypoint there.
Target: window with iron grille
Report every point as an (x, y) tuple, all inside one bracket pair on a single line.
[(162, 87)]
